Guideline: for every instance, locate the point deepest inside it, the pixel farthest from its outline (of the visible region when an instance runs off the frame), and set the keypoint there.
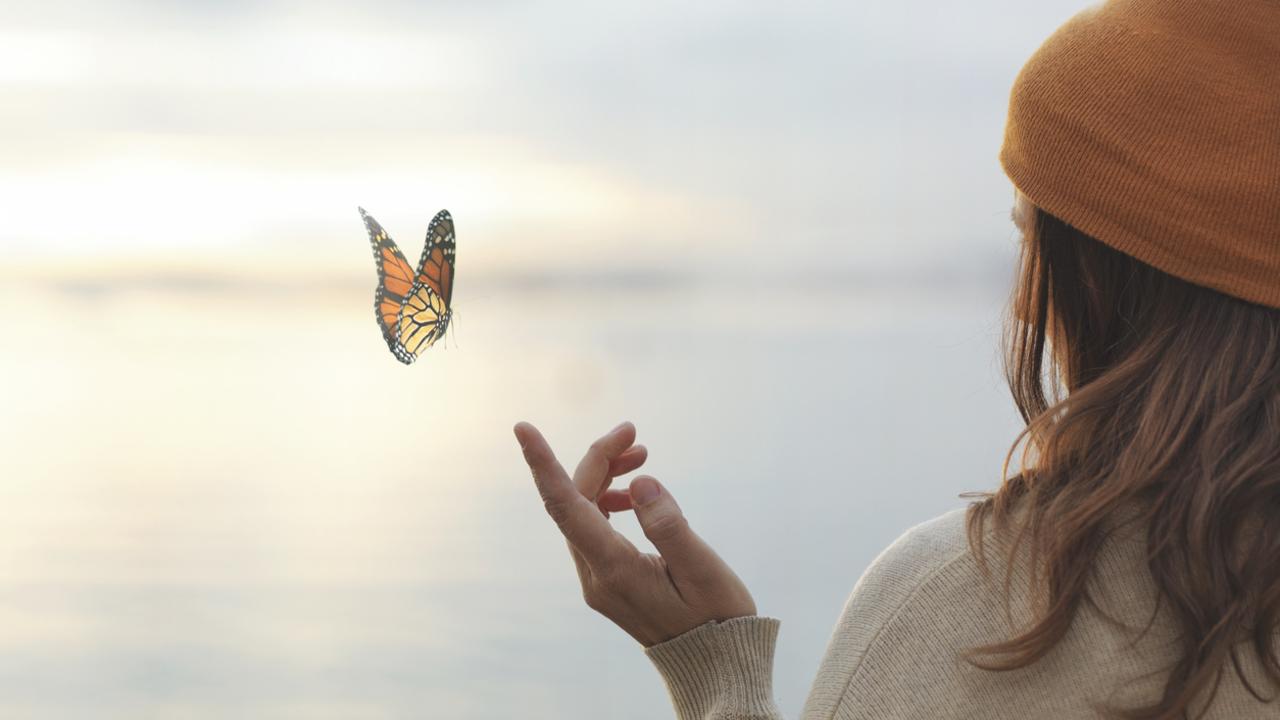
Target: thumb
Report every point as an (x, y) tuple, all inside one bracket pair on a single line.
[(664, 524)]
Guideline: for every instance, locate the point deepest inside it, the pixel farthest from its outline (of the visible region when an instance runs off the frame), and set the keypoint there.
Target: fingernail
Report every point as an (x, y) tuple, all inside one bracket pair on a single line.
[(618, 429), (644, 490)]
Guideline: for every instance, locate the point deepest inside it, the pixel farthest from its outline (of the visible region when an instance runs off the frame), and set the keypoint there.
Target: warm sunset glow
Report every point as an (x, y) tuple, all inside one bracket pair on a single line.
[(773, 235)]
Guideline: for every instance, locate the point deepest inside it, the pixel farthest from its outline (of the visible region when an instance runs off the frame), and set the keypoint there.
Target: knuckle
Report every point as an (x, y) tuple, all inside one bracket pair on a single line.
[(558, 510), (597, 453), (666, 527)]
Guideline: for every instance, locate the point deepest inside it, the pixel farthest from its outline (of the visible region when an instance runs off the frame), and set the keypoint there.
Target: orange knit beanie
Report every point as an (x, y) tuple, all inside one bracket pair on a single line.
[(1154, 126)]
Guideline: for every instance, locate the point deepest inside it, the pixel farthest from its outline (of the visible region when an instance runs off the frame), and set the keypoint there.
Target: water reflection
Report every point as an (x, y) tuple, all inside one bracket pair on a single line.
[(231, 501)]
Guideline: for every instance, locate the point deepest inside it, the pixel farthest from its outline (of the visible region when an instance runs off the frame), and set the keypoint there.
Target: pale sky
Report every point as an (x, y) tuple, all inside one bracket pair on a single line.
[(225, 498), (579, 134)]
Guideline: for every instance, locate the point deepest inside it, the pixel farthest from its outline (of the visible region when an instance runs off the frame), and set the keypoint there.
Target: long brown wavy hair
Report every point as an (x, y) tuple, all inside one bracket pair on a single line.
[(1139, 388)]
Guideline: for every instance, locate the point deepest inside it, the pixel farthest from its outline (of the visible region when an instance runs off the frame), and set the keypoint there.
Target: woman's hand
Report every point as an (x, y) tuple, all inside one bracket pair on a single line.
[(653, 597)]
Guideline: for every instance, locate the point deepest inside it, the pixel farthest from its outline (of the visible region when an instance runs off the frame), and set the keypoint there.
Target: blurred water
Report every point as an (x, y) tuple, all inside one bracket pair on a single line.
[(234, 503), (220, 496)]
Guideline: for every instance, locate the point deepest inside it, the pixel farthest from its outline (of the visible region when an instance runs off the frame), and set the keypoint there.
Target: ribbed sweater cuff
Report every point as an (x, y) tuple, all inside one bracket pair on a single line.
[(721, 669)]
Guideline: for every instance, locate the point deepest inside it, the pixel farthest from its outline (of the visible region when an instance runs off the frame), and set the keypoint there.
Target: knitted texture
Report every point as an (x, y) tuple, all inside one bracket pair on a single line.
[(724, 669), (1154, 127), (894, 653)]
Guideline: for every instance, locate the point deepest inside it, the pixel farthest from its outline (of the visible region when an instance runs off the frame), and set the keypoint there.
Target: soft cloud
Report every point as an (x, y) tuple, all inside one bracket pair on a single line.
[(858, 133)]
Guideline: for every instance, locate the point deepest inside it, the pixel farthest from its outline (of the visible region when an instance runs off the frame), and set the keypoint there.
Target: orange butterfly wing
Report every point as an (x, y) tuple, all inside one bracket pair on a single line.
[(435, 269), (426, 313), (395, 285)]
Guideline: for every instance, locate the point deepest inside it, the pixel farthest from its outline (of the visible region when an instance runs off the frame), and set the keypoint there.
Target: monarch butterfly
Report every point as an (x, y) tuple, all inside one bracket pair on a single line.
[(412, 308)]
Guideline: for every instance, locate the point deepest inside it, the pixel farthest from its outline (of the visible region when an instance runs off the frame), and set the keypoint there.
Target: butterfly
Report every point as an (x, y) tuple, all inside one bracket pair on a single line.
[(412, 307)]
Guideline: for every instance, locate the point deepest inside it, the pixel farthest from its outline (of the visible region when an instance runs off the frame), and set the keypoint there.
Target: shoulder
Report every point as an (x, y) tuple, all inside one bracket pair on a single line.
[(918, 558), (914, 585), (927, 546)]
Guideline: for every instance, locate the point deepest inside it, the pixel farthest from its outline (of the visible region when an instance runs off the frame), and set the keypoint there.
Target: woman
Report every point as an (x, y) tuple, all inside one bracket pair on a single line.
[(1131, 566)]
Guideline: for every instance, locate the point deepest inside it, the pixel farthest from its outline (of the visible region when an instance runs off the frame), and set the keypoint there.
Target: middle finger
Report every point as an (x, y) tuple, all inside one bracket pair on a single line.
[(630, 459), (593, 472)]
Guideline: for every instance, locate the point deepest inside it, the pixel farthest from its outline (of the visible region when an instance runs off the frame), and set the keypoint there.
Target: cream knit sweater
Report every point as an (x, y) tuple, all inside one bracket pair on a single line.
[(893, 653)]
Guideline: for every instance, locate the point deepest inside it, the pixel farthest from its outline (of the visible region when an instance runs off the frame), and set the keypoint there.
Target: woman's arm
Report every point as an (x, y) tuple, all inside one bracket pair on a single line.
[(721, 670), (693, 615)]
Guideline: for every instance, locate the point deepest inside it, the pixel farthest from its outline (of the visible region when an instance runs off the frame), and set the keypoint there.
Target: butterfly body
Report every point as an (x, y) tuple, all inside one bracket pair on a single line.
[(412, 306)]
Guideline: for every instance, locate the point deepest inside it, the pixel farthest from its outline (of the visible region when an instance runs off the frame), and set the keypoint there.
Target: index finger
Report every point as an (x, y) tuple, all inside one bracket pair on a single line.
[(577, 517)]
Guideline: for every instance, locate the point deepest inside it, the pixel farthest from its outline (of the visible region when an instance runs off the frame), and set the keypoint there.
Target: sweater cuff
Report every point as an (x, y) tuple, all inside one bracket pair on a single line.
[(720, 669)]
